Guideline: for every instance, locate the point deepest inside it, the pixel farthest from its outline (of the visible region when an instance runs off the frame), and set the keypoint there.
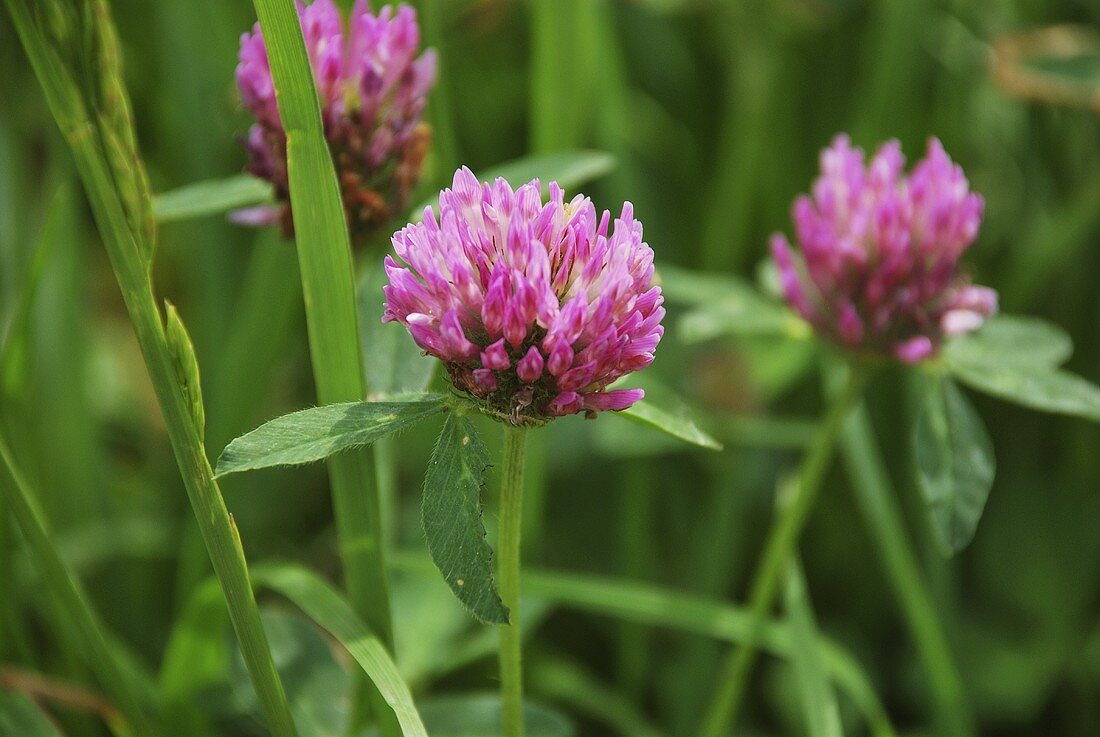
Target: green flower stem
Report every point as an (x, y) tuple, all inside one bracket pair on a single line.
[(508, 547), (70, 595), (114, 180), (883, 517), (734, 675)]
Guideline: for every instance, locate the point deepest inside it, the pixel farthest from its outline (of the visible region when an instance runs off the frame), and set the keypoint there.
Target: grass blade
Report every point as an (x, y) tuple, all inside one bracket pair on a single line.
[(326, 607), (818, 699), (73, 600), (328, 286)]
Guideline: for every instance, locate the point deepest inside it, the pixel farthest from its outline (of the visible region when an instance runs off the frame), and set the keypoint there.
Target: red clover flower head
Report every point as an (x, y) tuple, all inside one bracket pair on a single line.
[(534, 307), (373, 90), (878, 271)]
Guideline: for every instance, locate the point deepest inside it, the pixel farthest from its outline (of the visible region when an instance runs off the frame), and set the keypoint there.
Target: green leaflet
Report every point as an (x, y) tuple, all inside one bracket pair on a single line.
[(451, 516), (317, 433), (211, 197), (321, 603), (955, 463), (674, 421), (1017, 359), (1011, 339), (1037, 387)]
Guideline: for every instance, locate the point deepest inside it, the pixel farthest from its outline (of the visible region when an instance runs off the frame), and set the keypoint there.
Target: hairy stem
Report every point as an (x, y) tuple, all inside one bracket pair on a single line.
[(508, 572)]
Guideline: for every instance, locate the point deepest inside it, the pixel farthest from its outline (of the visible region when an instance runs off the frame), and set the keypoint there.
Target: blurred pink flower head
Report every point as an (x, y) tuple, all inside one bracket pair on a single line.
[(534, 307), (877, 267), (373, 89)]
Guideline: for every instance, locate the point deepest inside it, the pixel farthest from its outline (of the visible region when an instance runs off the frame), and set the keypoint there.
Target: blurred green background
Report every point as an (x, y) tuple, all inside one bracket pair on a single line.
[(715, 112)]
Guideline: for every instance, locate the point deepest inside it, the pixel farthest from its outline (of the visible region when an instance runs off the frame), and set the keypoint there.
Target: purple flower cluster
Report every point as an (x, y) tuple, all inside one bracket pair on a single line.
[(878, 271), (535, 308), (373, 91)]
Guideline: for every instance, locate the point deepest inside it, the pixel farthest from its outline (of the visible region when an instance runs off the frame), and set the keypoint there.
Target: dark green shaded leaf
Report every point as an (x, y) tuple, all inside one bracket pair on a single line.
[(1037, 387), (211, 197), (451, 515), (392, 361), (1009, 339), (478, 715), (20, 717), (955, 463), (317, 433), (321, 603), (674, 420)]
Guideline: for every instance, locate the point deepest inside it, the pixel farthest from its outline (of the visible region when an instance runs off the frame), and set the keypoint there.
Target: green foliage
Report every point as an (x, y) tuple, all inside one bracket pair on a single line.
[(819, 704), (21, 716), (1017, 359), (722, 306), (328, 289), (187, 365), (450, 513), (331, 612), (393, 362), (567, 168), (954, 461), (675, 421), (320, 432), (211, 197), (1038, 387), (75, 56), (478, 715), (1011, 340), (73, 602)]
